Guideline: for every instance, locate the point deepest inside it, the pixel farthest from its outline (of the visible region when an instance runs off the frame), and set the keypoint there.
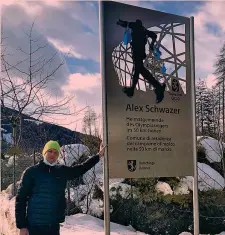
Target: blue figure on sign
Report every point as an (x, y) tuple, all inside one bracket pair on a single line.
[(157, 54), (127, 37), (163, 69)]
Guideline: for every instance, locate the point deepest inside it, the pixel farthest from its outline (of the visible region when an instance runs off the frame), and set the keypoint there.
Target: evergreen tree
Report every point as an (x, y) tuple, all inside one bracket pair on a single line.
[(204, 109), (220, 73)]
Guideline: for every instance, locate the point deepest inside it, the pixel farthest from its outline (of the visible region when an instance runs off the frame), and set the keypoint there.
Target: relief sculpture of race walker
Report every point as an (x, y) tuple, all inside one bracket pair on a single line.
[(151, 57)]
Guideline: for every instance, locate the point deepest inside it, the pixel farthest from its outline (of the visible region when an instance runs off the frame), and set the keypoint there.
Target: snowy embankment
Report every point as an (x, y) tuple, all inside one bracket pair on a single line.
[(212, 147), (208, 177), (81, 224)]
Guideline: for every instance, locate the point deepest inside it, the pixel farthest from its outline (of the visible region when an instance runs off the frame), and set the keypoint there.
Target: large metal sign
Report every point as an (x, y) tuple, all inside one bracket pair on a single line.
[(148, 78), (148, 92)]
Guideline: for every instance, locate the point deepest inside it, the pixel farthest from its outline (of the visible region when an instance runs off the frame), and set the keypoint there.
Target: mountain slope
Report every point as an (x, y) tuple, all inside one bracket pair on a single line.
[(35, 133)]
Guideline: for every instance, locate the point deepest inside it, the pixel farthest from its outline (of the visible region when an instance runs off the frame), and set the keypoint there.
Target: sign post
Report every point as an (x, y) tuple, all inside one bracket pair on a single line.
[(104, 115), (195, 178), (148, 80)]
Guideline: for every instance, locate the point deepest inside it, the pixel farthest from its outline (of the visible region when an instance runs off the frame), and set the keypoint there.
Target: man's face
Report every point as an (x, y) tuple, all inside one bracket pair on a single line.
[(52, 155)]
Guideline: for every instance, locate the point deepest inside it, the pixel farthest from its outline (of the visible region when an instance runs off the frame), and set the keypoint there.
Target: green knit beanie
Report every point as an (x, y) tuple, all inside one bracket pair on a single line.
[(51, 145)]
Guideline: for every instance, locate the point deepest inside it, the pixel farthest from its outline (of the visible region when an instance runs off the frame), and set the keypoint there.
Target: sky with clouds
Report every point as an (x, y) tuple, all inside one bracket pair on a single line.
[(72, 29)]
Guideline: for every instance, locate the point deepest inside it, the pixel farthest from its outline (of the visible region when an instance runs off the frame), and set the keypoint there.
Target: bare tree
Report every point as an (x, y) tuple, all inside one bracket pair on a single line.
[(92, 140), (23, 83), (90, 120)]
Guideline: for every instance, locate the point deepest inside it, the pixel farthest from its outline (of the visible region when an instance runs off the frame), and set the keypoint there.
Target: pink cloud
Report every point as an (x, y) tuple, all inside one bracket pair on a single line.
[(7, 2), (69, 50), (75, 121), (54, 3), (208, 44), (210, 80), (79, 81)]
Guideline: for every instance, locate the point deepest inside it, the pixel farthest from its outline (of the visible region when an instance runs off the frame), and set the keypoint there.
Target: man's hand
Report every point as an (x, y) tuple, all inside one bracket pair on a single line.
[(120, 22), (102, 150), (24, 231)]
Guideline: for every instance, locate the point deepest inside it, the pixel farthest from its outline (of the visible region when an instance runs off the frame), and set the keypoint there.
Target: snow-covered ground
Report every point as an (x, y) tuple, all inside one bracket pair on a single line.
[(163, 187), (213, 148), (88, 225), (10, 161), (35, 121), (72, 153), (81, 224), (208, 178), (186, 233), (3, 130), (8, 138)]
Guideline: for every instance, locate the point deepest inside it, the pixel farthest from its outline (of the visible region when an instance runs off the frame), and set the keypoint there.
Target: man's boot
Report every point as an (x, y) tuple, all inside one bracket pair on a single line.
[(159, 91), (129, 91)]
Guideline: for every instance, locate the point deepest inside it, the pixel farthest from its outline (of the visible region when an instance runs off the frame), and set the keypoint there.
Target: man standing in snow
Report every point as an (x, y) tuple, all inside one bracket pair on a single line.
[(40, 201)]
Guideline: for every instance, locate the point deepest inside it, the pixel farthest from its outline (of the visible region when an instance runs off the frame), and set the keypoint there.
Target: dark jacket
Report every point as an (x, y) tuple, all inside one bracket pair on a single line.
[(41, 199)]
